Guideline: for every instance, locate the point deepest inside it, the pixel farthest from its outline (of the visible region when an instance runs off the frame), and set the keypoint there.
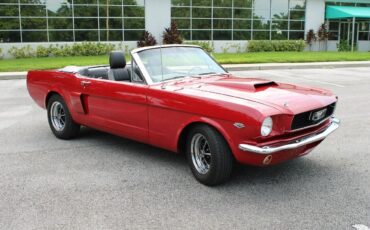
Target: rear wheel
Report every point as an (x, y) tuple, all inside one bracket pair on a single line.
[(60, 120), (209, 155)]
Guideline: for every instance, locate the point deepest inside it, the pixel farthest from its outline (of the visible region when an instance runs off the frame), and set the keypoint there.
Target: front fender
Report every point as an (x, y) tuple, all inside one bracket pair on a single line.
[(223, 127)]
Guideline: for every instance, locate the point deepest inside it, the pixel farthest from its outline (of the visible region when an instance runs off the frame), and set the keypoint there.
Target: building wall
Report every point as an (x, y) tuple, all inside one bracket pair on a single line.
[(227, 24), (315, 14), (363, 46), (157, 17)]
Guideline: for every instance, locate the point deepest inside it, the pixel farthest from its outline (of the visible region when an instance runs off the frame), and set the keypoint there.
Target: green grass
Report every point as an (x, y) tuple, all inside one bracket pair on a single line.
[(241, 58), (291, 57), (26, 64)]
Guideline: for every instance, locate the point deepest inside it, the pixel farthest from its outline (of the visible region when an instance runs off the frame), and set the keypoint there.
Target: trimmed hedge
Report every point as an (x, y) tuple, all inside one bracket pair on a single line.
[(276, 45), (22, 52), (77, 49)]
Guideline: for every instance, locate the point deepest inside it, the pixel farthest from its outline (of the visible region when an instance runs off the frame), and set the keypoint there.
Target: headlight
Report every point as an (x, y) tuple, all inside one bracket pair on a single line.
[(266, 127)]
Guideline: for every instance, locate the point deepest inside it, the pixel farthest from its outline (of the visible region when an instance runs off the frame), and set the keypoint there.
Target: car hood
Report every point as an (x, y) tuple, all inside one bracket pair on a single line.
[(287, 98)]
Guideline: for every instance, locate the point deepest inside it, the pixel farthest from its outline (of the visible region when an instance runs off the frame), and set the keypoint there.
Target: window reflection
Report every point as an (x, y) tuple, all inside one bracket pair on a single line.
[(71, 20), (240, 19)]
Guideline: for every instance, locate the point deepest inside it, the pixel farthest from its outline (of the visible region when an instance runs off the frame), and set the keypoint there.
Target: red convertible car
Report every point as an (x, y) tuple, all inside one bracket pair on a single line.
[(178, 98)]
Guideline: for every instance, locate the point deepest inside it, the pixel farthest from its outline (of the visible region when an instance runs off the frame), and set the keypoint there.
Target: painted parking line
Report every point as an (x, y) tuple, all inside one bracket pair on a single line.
[(360, 227)]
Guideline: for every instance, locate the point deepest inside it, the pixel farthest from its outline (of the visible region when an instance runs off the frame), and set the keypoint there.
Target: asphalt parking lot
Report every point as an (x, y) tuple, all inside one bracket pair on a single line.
[(100, 181)]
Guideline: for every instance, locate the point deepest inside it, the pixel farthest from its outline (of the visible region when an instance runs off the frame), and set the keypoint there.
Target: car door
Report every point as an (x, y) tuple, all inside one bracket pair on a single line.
[(116, 107)]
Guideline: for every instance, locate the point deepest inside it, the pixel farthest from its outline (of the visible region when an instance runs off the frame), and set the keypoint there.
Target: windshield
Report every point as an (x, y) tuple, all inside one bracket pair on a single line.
[(168, 63)]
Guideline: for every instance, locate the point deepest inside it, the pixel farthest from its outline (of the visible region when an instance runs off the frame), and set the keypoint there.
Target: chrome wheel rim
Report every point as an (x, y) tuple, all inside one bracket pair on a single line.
[(58, 116), (200, 153)]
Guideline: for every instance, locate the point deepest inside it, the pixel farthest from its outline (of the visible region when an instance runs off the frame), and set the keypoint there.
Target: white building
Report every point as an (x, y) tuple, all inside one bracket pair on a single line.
[(227, 23)]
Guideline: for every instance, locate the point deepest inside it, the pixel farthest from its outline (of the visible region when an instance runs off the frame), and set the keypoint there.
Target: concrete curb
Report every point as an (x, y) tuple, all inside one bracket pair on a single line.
[(246, 67), (12, 75), (311, 65)]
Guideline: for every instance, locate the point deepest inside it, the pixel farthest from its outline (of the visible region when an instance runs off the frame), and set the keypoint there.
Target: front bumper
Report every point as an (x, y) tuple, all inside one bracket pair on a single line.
[(266, 150)]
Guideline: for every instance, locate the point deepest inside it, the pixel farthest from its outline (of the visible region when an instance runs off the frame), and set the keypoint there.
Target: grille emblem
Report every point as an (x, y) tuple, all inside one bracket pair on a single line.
[(316, 116)]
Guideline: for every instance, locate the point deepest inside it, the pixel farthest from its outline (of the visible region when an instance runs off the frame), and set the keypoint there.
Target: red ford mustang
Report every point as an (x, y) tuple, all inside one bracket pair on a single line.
[(178, 98)]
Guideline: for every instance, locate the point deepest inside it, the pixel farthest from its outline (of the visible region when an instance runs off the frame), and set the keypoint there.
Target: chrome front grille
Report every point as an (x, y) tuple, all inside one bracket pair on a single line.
[(307, 119)]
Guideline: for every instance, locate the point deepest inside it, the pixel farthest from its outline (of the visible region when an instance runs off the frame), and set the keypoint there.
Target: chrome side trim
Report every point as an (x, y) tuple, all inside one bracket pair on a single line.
[(298, 143)]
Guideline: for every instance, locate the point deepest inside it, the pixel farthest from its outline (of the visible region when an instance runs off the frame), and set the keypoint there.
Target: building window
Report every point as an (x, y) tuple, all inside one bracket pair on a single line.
[(239, 19), (340, 29), (66, 20)]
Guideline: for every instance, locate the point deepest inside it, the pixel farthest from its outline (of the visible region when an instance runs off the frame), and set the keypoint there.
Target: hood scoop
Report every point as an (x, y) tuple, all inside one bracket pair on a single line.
[(265, 84), (249, 84)]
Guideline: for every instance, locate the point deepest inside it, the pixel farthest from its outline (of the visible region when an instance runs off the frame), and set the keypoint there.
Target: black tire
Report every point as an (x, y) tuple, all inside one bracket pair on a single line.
[(221, 160), (70, 129)]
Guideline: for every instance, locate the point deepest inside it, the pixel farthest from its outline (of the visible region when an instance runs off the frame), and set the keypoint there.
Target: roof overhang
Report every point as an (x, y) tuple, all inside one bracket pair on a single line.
[(339, 12)]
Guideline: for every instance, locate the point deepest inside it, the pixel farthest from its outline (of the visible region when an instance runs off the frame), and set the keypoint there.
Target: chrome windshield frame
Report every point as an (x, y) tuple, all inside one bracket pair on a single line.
[(142, 68), (135, 56)]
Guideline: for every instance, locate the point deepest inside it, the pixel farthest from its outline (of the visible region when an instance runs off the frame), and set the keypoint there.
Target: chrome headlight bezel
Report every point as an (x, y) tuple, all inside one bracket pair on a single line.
[(266, 127)]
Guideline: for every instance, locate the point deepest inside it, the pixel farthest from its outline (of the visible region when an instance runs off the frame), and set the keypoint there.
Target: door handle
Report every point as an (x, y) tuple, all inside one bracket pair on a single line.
[(85, 83)]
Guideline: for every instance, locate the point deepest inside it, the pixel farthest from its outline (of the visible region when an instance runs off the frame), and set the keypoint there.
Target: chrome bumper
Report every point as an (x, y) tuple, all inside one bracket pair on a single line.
[(298, 143)]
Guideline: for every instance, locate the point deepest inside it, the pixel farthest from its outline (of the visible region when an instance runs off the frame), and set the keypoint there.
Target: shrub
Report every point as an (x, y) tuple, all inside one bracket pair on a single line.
[(81, 49), (1, 53), (323, 32), (207, 46), (60, 51), (77, 49), (21, 52), (91, 49), (172, 35), (343, 46), (310, 37), (147, 40), (276, 46), (42, 51)]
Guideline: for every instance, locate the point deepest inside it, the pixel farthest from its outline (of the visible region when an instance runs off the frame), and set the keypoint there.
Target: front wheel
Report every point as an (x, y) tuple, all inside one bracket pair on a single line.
[(209, 155), (60, 119)]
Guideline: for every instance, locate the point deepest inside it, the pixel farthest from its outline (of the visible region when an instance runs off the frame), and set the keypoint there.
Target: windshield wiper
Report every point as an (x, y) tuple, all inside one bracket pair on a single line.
[(177, 77), (173, 78), (211, 73)]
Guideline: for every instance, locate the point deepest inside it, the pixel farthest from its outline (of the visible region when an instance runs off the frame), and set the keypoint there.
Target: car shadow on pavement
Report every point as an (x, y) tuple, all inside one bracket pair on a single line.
[(296, 172), (134, 148), (301, 168)]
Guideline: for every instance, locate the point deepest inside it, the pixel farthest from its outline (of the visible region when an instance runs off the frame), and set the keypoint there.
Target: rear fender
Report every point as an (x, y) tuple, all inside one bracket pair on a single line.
[(71, 96)]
